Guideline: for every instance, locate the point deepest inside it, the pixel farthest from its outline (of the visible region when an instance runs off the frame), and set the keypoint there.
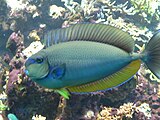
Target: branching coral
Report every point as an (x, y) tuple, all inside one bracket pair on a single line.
[(147, 9), (145, 109), (132, 29), (124, 111), (127, 110), (56, 11)]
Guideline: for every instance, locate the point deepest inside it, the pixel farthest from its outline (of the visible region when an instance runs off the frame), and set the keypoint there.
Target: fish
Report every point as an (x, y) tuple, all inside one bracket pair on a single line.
[(87, 58)]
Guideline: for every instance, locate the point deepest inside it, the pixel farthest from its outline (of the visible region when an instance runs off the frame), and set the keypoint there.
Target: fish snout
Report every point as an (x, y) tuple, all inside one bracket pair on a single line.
[(26, 72)]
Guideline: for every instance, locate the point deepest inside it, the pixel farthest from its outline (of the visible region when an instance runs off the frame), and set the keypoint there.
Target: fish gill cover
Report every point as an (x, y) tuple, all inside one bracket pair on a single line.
[(22, 29)]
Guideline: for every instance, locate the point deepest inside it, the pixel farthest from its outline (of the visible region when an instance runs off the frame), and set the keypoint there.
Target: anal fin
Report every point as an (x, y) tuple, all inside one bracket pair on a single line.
[(110, 81)]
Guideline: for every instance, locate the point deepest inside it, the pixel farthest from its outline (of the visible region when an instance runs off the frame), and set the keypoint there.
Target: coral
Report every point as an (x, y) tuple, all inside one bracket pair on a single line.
[(124, 111), (38, 117), (34, 35), (3, 8), (89, 114), (3, 96), (16, 75), (127, 110), (14, 41), (145, 109), (56, 11), (33, 48), (24, 106), (13, 78), (147, 8), (146, 12)]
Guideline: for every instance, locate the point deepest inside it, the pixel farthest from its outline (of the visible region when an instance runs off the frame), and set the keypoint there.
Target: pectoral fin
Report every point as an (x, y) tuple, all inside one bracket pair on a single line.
[(63, 92)]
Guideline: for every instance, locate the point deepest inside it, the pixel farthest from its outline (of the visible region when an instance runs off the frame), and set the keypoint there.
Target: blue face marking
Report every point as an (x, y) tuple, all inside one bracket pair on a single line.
[(56, 72), (29, 61), (59, 72), (38, 60), (26, 72)]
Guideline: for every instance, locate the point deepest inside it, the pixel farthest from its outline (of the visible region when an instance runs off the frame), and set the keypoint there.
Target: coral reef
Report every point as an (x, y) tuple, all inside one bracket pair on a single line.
[(14, 41), (146, 10), (145, 109), (33, 48), (22, 28), (124, 111), (55, 11)]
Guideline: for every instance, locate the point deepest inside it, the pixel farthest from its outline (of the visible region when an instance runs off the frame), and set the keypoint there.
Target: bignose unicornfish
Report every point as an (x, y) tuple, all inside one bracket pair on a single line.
[(90, 57)]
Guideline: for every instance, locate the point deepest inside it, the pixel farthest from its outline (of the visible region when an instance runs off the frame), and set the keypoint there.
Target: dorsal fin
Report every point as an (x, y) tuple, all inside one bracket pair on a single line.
[(91, 32), (111, 81)]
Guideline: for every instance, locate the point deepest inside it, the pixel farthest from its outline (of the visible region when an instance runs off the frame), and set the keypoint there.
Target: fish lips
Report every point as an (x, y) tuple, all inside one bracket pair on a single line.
[(32, 76), (26, 72)]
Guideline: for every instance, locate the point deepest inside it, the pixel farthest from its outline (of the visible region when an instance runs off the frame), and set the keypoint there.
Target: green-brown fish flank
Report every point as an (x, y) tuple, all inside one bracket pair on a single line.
[(88, 58)]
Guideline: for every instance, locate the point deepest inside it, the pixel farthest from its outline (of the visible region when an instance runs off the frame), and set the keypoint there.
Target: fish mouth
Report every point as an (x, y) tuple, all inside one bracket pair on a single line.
[(44, 75), (35, 78), (26, 72)]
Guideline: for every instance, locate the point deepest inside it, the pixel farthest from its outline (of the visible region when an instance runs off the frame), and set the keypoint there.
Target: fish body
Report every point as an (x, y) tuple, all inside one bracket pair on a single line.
[(84, 62), (87, 58)]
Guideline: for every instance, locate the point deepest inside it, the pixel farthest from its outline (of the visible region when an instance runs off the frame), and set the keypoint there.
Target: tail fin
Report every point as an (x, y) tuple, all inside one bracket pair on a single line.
[(152, 54)]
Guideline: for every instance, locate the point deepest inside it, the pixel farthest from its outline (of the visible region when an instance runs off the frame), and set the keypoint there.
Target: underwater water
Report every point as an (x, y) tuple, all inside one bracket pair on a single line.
[(28, 26)]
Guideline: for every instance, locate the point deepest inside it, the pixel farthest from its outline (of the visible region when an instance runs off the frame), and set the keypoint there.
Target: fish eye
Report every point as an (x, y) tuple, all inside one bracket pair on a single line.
[(39, 60)]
